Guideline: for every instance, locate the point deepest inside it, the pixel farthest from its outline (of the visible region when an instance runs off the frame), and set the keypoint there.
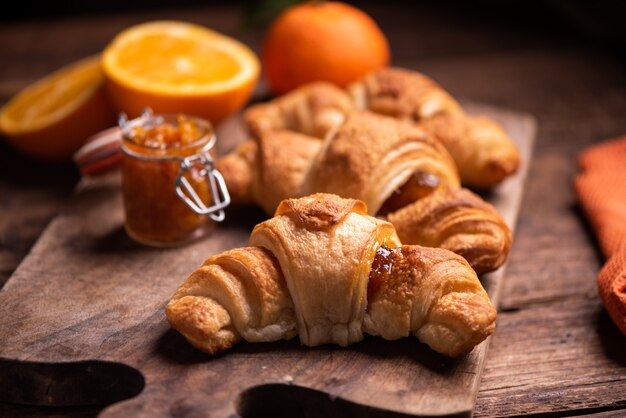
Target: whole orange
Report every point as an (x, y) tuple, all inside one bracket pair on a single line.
[(328, 41)]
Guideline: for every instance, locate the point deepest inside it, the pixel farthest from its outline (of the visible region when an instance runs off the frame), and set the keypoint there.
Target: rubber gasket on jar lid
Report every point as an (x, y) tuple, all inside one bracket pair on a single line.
[(101, 153)]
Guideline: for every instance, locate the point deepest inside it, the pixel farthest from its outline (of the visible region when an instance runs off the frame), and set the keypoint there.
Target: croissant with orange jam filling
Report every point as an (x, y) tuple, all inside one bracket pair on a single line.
[(326, 271)]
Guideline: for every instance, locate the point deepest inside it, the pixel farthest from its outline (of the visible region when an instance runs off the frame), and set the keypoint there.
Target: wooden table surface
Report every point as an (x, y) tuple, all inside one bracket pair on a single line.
[(555, 351)]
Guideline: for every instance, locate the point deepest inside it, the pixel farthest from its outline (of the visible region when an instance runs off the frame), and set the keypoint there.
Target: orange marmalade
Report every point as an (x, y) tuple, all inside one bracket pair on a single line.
[(418, 186), (154, 147)]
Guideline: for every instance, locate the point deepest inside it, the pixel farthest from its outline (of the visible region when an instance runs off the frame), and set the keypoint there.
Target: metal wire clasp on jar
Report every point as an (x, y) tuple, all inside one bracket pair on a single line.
[(172, 191)]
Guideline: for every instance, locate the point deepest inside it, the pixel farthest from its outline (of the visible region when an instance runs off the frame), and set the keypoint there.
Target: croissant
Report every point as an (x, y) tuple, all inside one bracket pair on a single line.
[(482, 151), (457, 220), (323, 269)]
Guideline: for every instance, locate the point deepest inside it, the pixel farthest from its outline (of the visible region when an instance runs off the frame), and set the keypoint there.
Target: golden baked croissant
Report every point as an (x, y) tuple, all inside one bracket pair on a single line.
[(457, 220), (482, 151), (323, 269), (287, 133)]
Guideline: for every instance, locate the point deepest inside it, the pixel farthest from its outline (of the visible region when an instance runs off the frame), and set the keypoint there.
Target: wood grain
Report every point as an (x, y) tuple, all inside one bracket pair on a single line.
[(86, 292), (556, 348), (27, 203)]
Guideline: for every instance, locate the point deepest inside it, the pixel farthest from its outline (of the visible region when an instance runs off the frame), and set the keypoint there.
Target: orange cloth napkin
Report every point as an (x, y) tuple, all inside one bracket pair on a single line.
[(601, 188)]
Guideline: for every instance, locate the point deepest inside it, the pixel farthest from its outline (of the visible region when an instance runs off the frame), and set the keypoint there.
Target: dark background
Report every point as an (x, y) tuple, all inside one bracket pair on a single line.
[(601, 21)]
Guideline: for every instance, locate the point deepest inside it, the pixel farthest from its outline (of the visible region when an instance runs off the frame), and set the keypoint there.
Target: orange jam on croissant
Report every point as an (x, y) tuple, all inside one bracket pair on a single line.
[(382, 267), (155, 214), (419, 185)]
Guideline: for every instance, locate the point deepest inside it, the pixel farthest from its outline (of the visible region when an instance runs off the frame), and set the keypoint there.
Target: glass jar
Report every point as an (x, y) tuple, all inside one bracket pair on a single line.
[(172, 192)]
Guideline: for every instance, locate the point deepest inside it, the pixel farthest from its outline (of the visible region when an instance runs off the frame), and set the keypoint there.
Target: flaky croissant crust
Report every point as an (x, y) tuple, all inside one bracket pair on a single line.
[(325, 270)]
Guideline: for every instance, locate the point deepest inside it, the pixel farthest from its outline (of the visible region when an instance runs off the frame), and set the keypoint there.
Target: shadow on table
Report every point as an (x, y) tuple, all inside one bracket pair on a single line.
[(26, 411), (613, 341), (73, 389)]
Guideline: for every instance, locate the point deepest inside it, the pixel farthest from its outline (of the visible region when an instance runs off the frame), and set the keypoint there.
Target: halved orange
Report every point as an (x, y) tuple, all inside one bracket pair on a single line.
[(178, 67), (52, 118)]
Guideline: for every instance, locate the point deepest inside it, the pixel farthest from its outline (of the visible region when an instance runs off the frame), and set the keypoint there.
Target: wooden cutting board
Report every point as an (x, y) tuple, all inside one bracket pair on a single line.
[(82, 322)]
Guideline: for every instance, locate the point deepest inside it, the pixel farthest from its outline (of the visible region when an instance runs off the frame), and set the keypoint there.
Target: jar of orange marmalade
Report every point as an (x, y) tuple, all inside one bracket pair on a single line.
[(172, 191)]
